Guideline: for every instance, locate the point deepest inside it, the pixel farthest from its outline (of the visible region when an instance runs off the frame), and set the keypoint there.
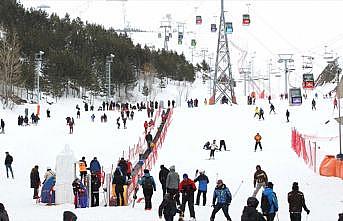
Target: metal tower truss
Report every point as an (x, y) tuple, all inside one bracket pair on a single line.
[(223, 82)]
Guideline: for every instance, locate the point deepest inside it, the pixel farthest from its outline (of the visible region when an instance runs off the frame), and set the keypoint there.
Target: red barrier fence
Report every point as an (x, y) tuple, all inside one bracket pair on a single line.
[(304, 148)]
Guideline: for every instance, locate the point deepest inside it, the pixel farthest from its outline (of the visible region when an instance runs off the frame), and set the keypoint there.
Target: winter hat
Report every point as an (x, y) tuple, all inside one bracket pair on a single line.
[(2, 208), (258, 167), (270, 185), (172, 168), (162, 166), (48, 168), (185, 176), (295, 186), (146, 171), (219, 181), (252, 202)]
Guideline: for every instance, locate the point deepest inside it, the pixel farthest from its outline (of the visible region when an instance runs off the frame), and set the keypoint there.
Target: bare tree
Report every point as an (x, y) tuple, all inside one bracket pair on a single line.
[(10, 66)]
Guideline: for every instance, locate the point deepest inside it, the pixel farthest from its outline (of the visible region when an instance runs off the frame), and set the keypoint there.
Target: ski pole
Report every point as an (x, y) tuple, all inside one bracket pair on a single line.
[(306, 217), (237, 189), (277, 215)]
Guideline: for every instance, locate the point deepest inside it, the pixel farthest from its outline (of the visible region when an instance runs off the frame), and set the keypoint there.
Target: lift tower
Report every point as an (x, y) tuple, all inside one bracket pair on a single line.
[(223, 83)]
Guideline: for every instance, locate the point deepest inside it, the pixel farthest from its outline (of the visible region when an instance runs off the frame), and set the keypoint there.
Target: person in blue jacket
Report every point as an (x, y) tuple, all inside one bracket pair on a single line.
[(223, 197), (202, 188), (95, 167), (149, 186), (272, 201)]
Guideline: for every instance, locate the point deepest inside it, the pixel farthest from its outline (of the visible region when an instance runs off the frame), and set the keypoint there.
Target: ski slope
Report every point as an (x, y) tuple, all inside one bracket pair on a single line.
[(189, 130)]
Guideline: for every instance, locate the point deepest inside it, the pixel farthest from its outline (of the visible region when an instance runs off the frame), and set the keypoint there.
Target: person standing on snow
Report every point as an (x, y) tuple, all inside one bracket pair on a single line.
[(95, 167), (313, 104), (261, 115), (2, 126), (272, 108), (258, 139), (149, 186), (35, 181), (202, 188), (95, 185), (148, 139), (213, 148), (162, 176), (49, 173), (83, 168), (270, 195), (221, 200), (260, 180), (257, 112), (296, 202), (250, 213), (335, 103), (172, 183), (119, 181), (187, 188), (287, 115), (8, 164), (3, 213)]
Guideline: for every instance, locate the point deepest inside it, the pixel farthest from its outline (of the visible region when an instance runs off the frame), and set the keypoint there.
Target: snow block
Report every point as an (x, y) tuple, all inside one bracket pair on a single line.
[(328, 166)]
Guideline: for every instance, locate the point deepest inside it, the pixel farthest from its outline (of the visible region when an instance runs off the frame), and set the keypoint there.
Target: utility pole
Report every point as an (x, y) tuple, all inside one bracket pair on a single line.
[(286, 58), (223, 81), (109, 60), (204, 51), (339, 95), (269, 72)]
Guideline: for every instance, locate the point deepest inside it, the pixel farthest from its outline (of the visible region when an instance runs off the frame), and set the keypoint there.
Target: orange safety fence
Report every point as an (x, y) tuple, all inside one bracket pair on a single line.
[(331, 166)]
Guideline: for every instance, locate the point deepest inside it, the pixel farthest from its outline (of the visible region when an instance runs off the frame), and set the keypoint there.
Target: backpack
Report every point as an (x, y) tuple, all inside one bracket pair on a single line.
[(148, 184), (265, 206)]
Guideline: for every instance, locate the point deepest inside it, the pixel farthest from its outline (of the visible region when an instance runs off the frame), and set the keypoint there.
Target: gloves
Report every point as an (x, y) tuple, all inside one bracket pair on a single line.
[(308, 211)]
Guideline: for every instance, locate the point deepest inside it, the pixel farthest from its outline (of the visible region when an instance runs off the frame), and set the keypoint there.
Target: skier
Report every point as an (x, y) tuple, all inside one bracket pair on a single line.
[(223, 198), (3, 213), (260, 180), (269, 195), (172, 183), (257, 112), (8, 164), (335, 104), (149, 186), (35, 181), (296, 202), (95, 185), (48, 113), (83, 168), (119, 181), (202, 188), (123, 167), (187, 188), (261, 115), (92, 117), (258, 141), (2, 125), (78, 114), (163, 174), (313, 104), (124, 122), (287, 115), (173, 103), (168, 207), (222, 144), (250, 213), (272, 108), (213, 148), (146, 125)]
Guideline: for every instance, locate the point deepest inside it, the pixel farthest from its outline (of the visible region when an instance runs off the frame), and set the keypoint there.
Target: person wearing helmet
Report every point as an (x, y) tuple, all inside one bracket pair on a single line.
[(250, 213)]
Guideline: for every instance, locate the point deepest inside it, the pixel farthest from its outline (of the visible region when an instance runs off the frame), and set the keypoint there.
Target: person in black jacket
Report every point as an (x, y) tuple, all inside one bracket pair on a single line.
[(2, 125), (35, 181), (168, 207), (119, 181), (148, 139), (250, 213), (8, 164), (123, 167), (163, 178), (3, 213), (95, 185), (296, 202)]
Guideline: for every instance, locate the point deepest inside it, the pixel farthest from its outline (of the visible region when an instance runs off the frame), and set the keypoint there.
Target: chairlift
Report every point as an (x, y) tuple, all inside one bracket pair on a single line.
[(179, 42), (159, 35), (198, 20), (228, 28), (170, 35), (277, 75), (167, 38), (213, 27), (162, 84), (180, 36), (193, 43), (246, 19)]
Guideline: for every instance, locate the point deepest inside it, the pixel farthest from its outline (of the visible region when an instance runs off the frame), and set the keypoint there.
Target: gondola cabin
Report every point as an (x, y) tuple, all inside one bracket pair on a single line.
[(308, 81), (193, 42), (213, 27), (179, 41), (167, 38), (295, 97), (228, 28), (198, 20), (170, 35), (246, 20), (159, 35), (180, 36)]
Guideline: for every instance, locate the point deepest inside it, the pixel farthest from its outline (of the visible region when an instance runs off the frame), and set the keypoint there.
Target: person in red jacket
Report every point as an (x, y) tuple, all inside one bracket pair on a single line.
[(187, 188), (146, 125)]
